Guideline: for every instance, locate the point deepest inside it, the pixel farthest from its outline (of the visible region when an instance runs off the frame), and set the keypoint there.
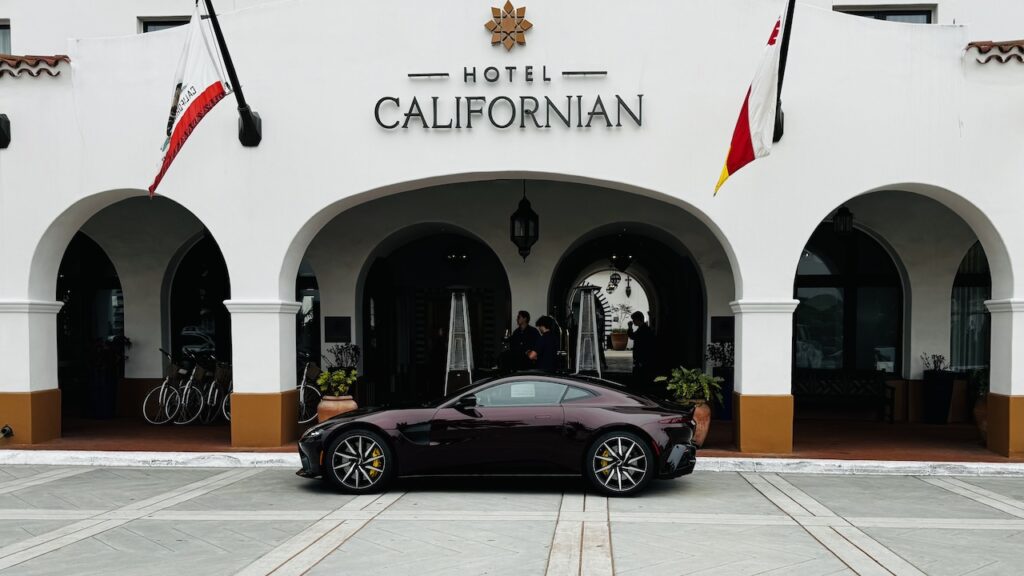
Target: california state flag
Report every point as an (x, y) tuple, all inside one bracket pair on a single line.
[(752, 138), (199, 84)]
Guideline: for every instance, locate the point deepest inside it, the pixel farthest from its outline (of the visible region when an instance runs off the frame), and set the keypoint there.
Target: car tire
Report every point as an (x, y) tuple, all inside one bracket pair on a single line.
[(359, 462), (620, 463)]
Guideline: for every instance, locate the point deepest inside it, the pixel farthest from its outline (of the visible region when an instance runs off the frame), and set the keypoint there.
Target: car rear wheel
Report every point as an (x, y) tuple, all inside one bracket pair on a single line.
[(620, 463), (359, 462)]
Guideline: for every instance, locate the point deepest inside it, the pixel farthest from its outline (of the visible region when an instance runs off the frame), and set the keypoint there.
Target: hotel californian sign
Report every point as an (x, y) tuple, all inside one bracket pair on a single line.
[(508, 28)]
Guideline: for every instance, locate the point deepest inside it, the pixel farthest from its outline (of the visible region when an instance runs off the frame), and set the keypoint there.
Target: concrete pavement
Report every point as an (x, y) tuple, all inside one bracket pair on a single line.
[(120, 520)]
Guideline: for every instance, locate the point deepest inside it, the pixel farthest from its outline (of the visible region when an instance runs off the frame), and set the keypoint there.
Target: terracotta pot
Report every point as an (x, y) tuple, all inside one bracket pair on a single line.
[(331, 406), (981, 417), (702, 416), (619, 340)]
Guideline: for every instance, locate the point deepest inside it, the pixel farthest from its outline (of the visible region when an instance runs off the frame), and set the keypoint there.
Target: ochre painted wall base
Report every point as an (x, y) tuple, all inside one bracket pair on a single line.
[(764, 424), (264, 420), (34, 416), (1006, 424)]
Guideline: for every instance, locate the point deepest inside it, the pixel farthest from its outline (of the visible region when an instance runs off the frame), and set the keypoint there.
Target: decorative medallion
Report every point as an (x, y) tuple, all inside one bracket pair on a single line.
[(508, 25)]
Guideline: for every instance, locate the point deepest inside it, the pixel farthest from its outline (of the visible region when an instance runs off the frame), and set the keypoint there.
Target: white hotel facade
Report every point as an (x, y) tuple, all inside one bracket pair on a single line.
[(349, 212)]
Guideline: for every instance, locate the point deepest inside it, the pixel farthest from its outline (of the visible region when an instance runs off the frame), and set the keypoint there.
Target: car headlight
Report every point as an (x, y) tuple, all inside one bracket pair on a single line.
[(314, 433)]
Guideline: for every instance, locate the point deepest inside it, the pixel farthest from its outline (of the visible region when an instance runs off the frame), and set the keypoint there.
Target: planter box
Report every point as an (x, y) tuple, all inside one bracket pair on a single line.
[(937, 393), (619, 340)]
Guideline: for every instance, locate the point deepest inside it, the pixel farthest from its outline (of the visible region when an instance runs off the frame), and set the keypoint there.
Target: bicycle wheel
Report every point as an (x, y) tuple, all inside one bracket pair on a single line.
[(191, 405), (211, 407), (160, 405), (225, 408), (309, 399)]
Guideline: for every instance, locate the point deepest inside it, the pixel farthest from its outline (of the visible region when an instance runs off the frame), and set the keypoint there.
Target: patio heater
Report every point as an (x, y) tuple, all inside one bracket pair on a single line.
[(459, 370), (588, 339)]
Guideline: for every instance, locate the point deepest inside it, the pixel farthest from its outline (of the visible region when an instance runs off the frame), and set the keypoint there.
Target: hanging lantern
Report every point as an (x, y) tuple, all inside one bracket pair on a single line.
[(842, 222), (524, 226), (615, 278), (629, 290), (621, 259)]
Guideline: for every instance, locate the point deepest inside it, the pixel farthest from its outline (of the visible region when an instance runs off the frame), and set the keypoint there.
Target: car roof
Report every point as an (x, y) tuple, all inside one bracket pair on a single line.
[(577, 378)]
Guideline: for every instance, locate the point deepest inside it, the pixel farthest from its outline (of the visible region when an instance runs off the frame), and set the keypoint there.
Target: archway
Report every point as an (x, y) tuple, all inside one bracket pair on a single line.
[(671, 282), (199, 322), (885, 300), (406, 306)]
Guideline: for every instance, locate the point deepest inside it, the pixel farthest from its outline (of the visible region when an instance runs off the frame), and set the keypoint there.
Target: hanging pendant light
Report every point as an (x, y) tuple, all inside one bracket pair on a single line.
[(524, 229)]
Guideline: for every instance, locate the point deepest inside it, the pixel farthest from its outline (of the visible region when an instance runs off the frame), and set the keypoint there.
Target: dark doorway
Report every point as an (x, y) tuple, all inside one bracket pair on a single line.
[(200, 323), (671, 281), (406, 302), (90, 331)]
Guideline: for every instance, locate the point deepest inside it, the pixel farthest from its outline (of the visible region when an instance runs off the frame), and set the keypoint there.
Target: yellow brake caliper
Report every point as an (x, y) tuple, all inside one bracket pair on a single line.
[(607, 455), (375, 464)]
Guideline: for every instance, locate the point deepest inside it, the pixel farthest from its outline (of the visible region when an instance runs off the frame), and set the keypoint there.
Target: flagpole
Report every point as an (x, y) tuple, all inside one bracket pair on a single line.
[(250, 126), (780, 117)]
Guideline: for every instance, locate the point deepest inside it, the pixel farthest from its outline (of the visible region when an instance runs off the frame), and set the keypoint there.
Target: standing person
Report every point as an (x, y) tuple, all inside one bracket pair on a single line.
[(546, 352), (644, 351), (523, 339)]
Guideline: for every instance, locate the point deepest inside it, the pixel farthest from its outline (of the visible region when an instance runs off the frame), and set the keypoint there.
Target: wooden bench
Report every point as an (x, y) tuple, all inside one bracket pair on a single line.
[(849, 388)]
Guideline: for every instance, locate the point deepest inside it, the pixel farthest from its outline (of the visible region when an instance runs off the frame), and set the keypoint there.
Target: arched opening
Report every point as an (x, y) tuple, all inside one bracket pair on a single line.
[(671, 285), (90, 331), (892, 331), (620, 296), (407, 305), (307, 320), (200, 323)]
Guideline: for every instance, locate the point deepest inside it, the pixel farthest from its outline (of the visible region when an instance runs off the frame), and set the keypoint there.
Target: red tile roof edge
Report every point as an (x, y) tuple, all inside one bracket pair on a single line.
[(15, 66)]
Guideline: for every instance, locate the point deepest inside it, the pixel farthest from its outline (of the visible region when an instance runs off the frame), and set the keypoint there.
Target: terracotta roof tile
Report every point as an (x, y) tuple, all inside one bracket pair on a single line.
[(16, 66), (999, 52)]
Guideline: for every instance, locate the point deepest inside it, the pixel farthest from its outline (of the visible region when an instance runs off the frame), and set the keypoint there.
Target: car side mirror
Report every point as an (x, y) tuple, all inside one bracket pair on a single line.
[(467, 401)]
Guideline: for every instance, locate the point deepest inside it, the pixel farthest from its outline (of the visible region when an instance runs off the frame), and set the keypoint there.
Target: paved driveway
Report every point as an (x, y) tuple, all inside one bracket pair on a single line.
[(188, 522)]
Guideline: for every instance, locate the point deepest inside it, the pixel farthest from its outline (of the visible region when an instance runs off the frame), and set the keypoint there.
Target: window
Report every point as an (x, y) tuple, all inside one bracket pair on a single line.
[(574, 393), (970, 325), (161, 23), (522, 393), (851, 303), (913, 15), (5, 38)]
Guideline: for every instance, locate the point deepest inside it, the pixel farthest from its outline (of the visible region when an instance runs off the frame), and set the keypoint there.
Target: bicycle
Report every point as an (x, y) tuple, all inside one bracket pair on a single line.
[(161, 404), (191, 405), (221, 384)]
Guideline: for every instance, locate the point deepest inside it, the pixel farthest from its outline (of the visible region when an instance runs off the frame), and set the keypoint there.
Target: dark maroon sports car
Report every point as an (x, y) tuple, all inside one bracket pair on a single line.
[(524, 424)]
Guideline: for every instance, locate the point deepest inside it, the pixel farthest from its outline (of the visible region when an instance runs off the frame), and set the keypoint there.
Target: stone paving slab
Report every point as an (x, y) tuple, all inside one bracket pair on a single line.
[(270, 490), (699, 493), (102, 488), (957, 552), (889, 496)]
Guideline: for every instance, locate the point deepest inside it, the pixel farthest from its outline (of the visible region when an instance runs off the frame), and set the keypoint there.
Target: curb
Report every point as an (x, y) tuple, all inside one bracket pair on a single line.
[(290, 460)]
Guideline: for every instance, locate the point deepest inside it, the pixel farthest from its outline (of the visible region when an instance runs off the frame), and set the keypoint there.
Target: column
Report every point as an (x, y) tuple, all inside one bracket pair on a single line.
[(264, 405), (1006, 378), (29, 397), (763, 398)]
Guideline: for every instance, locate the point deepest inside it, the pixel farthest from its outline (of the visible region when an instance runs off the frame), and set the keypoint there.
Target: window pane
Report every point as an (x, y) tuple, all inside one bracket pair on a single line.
[(878, 320), (5, 39), (521, 394), (576, 394), (158, 25), (819, 328), (813, 264), (909, 18), (971, 331)]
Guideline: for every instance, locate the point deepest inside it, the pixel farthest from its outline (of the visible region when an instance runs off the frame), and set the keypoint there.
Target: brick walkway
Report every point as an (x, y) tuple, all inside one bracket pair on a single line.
[(80, 520)]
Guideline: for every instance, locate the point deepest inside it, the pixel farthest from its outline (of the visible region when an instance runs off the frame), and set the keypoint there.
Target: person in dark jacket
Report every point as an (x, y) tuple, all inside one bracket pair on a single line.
[(644, 351), (523, 339), (546, 352)]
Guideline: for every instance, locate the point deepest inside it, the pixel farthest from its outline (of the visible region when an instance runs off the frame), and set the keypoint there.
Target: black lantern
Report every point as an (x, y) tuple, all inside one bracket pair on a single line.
[(5, 131), (524, 226), (842, 222)]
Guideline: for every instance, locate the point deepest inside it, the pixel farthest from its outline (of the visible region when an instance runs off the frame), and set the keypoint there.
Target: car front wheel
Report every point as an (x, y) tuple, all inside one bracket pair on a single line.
[(620, 463), (359, 462)]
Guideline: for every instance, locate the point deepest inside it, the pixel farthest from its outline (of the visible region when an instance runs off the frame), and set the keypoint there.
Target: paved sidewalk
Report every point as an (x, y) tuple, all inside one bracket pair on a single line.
[(83, 520)]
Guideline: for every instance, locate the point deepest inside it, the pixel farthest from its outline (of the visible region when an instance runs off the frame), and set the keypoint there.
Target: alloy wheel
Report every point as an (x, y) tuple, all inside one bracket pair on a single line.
[(359, 462), (620, 464)]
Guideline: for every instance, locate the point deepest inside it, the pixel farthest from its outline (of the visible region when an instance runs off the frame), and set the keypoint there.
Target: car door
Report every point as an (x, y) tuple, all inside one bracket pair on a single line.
[(515, 427)]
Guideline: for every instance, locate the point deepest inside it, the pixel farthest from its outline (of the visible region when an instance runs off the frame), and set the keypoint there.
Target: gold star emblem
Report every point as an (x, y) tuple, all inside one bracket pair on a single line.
[(508, 25)]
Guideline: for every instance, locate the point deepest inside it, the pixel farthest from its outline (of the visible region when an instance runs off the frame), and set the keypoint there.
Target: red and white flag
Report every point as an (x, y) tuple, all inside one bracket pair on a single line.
[(199, 84), (752, 138)]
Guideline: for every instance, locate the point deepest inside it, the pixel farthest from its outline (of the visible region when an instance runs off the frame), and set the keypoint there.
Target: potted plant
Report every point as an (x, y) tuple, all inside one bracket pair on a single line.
[(720, 356), (693, 387), (979, 385), (337, 380), (938, 388), (620, 334)]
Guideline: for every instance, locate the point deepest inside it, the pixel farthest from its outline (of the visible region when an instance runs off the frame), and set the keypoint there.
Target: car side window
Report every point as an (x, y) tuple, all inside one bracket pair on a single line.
[(522, 393), (574, 394)]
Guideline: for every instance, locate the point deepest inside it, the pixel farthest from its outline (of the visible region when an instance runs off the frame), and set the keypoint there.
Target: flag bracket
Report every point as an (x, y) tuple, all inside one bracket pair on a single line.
[(250, 125), (780, 123), (5, 131)]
